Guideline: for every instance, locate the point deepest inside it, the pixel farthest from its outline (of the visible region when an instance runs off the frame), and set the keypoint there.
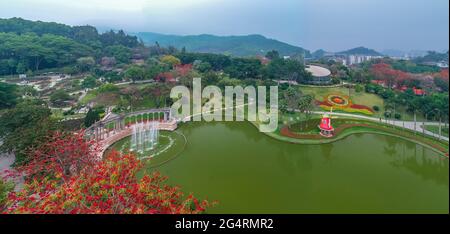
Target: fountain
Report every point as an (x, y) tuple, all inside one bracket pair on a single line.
[(144, 137)]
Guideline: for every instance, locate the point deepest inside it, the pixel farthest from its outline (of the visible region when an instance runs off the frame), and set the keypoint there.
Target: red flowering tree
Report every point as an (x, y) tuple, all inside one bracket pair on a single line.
[(111, 188), (390, 76), (64, 154), (183, 70)]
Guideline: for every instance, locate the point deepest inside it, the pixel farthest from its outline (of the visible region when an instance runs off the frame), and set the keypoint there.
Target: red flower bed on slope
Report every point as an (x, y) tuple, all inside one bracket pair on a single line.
[(361, 107)]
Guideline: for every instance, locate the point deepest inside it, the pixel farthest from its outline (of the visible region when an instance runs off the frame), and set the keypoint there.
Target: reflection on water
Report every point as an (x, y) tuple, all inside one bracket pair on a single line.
[(248, 172)]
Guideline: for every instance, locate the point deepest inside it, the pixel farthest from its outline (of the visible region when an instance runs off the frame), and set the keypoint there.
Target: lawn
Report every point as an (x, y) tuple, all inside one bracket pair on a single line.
[(88, 97), (435, 129), (360, 98)]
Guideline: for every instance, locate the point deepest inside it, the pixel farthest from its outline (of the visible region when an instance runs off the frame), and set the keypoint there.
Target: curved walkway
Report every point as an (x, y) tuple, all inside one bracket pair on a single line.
[(418, 126)]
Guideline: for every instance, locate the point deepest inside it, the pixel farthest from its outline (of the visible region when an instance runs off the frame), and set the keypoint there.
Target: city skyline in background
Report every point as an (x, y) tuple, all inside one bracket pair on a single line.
[(321, 24)]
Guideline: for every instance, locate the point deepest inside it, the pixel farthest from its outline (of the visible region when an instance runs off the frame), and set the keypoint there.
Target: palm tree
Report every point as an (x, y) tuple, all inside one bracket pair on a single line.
[(305, 105)]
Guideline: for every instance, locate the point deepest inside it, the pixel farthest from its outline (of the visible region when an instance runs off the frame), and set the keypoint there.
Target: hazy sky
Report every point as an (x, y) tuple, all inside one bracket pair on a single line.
[(332, 25)]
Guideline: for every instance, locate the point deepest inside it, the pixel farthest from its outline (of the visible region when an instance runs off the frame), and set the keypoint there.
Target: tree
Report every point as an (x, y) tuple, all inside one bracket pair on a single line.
[(132, 94), (24, 127), (89, 82), (28, 91), (292, 97), (210, 78), (113, 77), (273, 55), (305, 105), (63, 154), (243, 68), (59, 97), (26, 45), (121, 53), (106, 88), (85, 64), (441, 83), (8, 95), (171, 60), (135, 73), (110, 188), (383, 71), (281, 69), (203, 67), (93, 116), (21, 68), (160, 92), (5, 189)]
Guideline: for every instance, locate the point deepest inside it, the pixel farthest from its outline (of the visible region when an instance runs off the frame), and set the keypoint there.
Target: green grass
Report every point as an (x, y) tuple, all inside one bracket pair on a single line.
[(435, 129), (91, 95), (373, 127), (361, 98)]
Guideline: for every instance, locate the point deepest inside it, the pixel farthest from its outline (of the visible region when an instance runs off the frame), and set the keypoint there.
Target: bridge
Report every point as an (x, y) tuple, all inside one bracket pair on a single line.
[(115, 128)]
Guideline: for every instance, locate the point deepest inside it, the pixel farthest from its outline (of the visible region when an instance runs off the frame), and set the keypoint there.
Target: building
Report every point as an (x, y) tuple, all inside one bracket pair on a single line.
[(326, 129), (320, 75), (419, 92), (357, 59)]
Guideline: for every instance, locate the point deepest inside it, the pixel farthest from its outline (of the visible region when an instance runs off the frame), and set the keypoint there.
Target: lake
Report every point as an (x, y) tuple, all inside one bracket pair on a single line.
[(248, 172)]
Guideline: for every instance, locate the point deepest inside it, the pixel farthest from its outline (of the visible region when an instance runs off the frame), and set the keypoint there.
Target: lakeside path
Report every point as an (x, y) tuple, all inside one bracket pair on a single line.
[(402, 124)]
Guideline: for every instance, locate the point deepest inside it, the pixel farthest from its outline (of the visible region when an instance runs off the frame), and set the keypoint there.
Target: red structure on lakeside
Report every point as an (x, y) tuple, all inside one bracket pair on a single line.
[(326, 129)]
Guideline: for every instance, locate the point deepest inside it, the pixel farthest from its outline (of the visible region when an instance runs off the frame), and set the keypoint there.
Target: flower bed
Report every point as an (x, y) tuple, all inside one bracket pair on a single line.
[(343, 103), (338, 100)]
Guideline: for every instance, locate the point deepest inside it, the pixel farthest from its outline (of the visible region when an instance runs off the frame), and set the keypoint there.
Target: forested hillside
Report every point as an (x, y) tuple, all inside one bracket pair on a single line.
[(250, 45), (30, 46)]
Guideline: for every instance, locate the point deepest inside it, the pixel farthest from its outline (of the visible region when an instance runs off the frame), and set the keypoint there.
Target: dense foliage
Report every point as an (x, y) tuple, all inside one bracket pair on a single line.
[(8, 95), (5, 188), (28, 45), (411, 67), (250, 45), (93, 116), (433, 56), (24, 127), (112, 188)]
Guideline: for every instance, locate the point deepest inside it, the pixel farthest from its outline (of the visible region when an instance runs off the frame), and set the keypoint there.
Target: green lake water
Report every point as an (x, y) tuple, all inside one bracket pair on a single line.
[(248, 172)]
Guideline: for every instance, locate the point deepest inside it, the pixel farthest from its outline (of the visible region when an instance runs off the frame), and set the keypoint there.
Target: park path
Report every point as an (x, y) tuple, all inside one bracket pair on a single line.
[(418, 126)]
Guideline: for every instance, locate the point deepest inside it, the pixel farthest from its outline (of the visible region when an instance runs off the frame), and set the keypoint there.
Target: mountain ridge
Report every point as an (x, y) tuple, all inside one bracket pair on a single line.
[(361, 51), (246, 45)]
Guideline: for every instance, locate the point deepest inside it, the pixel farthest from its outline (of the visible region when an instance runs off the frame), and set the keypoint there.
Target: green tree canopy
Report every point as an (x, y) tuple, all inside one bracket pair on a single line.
[(59, 97), (24, 127), (8, 95), (89, 82)]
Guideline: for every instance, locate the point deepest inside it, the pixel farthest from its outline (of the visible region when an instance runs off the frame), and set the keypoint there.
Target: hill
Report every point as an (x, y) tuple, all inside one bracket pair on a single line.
[(28, 46), (433, 57), (231, 45), (361, 51), (320, 54)]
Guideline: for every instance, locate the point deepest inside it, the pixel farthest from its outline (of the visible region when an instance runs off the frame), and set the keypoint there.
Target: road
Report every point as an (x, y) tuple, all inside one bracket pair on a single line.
[(403, 124)]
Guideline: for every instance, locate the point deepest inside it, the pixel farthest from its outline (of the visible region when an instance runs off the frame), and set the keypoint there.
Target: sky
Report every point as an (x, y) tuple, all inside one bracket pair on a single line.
[(333, 25)]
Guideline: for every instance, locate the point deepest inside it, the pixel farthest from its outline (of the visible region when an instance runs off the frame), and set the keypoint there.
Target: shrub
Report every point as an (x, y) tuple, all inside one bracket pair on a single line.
[(376, 108), (5, 188), (398, 116), (387, 114), (111, 187), (359, 88), (108, 88)]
